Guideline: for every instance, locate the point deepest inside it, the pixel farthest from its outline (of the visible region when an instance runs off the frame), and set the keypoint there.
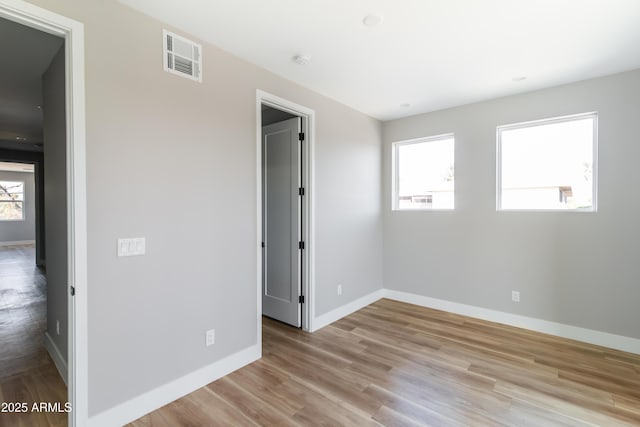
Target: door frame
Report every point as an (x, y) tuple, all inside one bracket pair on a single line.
[(73, 33), (308, 226)]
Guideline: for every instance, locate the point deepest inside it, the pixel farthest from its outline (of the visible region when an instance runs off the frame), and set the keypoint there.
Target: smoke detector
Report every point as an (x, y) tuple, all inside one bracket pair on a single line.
[(373, 20), (301, 59)]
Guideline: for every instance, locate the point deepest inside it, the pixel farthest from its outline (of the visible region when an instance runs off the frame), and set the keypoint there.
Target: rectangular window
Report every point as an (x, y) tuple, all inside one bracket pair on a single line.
[(11, 201), (424, 173), (548, 164)]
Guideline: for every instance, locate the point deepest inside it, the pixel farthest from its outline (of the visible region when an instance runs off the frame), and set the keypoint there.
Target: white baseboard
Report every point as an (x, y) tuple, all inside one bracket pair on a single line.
[(18, 243), (137, 407), (154, 399), (605, 339), (55, 354), (325, 319)]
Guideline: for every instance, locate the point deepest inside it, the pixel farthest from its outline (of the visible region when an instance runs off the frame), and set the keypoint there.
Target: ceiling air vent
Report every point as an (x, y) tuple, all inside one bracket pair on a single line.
[(182, 57)]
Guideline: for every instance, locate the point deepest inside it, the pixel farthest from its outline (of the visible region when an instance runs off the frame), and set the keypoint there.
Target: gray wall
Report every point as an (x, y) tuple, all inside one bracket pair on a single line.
[(55, 198), (16, 231), (175, 161), (576, 268)]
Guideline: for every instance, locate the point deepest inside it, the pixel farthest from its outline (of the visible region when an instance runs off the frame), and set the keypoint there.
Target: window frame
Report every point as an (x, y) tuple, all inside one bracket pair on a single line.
[(395, 184), (24, 199), (542, 122)]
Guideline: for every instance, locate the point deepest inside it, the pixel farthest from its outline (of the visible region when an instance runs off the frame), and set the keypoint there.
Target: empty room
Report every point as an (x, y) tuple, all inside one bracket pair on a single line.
[(319, 213)]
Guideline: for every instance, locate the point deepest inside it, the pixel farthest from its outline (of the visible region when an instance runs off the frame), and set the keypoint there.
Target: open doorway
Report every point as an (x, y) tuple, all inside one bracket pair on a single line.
[(284, 211), (33, 218), (42, 122)]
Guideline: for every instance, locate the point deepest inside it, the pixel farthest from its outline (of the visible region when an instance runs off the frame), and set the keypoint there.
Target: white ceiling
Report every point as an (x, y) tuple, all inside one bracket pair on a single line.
[(25, 54), (432, 54)]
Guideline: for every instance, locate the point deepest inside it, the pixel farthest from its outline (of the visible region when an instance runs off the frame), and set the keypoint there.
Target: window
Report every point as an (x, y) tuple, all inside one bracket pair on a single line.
[(424, 173), (11, 201), (548, 164)]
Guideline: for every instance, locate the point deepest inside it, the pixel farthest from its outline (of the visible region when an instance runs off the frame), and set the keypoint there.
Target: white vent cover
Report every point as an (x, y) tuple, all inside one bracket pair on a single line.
[(181, 56)]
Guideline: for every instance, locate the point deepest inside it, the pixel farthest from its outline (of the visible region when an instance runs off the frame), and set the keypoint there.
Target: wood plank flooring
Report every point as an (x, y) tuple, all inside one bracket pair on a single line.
[(396, 364), (27, 373)]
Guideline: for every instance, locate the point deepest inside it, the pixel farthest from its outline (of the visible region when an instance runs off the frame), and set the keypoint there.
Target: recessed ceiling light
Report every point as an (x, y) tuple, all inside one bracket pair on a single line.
[(519, 78), (405, 105), (373, 19), (301, 59)]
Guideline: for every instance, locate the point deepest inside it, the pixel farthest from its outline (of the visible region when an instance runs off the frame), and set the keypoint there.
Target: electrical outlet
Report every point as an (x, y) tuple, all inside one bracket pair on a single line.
[(58, 327), (211, 337), (339, 289), (515, 296)]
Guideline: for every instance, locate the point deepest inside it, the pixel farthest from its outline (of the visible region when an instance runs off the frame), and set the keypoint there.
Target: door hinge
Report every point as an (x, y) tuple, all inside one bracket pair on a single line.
[(72, 290), (301, 191), (263, 244), (301, 299), (300, 245), (301, 136)]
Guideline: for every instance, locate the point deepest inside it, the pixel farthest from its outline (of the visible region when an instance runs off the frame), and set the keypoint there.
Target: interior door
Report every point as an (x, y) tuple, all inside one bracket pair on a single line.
[(281, 276)]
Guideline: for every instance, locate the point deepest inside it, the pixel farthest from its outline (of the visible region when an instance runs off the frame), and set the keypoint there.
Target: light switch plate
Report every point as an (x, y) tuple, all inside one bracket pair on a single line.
[(132, 246)]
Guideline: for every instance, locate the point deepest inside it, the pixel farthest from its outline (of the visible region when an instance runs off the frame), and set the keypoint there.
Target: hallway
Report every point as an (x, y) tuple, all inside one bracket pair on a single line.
[(27, 373)]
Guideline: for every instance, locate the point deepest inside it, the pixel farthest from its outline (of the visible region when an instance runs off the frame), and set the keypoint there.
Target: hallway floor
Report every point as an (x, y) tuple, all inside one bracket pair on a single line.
[(27, 373)]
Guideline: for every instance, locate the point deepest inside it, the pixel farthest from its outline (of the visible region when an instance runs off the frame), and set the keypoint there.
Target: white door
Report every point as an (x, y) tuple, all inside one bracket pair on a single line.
[(281, 276)]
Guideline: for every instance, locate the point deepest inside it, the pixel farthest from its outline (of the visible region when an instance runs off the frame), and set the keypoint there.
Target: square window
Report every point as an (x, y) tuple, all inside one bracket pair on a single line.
[(548, 164), (11, 201), (424, 174)]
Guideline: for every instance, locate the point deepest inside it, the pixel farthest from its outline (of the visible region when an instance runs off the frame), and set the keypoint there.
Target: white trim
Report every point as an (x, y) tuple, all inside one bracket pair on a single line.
[(78, 359), (345, 310), (547, 121), (594, 164), (395, 184), (605, 339), (308, 174), (135, 408), (57, 357), (544, 122), (18, 243), (73, 32), (259, 271)]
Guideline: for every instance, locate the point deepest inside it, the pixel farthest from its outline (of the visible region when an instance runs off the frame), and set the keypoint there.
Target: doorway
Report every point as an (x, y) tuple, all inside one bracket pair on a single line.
[(33, 216), (68, 114), (285, 228)]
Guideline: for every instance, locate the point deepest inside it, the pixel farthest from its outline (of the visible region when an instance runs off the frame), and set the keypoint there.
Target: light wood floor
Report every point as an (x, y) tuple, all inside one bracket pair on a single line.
[(395, 364), (27, 373)]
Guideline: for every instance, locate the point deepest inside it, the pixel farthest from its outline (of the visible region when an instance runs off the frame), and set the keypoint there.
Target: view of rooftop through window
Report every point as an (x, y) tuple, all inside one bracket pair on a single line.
[(425, 174), (11, 200), (547, 165)]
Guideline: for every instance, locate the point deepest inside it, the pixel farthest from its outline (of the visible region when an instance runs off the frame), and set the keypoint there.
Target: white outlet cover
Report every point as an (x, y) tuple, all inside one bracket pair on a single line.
[(515, 296), (211, 337)]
